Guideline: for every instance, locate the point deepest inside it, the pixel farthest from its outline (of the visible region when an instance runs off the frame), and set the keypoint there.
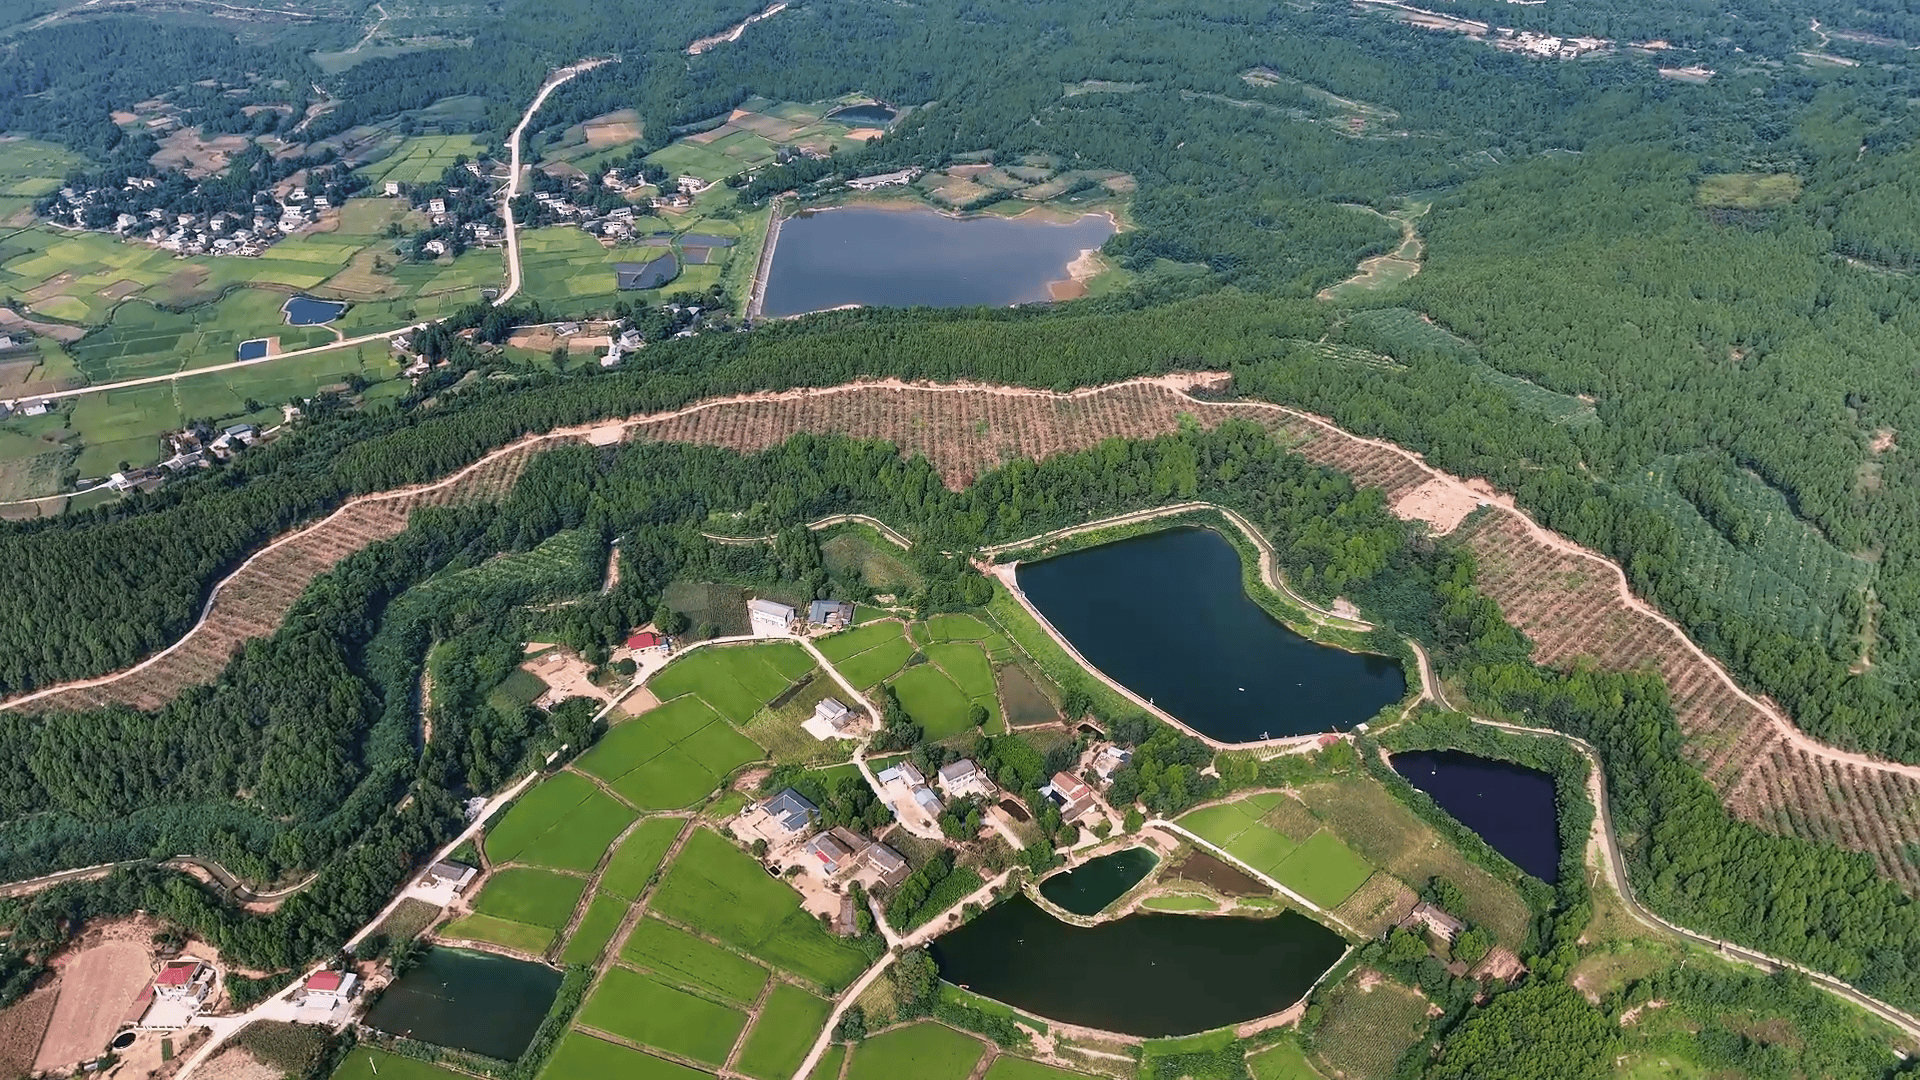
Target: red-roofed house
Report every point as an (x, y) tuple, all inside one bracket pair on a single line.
[(180, 981), (1071, 793), (325, 989), (647, 639)]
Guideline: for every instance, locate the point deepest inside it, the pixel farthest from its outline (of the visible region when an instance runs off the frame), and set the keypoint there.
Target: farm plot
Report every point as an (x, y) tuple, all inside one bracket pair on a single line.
[(97, 988), (1255, 831), (735, 679), (521, 908), (582, 1057), (674, 956), (596, 929), (847, 644), (652, 1013), (783, 1034), (367, 1063), (924, 1051), (670, 756), (1007, 1067), (577, 841), (721, 891), (1371, 1022), (534, 813), (933, 701), (967, 665), (1283, 1062), (422, 159), (639, 855)]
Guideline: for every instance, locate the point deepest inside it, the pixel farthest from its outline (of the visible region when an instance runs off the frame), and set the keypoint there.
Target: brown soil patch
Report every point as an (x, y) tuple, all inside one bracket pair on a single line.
[(1441, 505), (1499, 964), (100, 980), (1217, 874), (1882, 441), (713, 134), (235, 1063), (122, 116), (22, 1025), (865, 134), (1067, 290), (612, 134), (122, 289), (56, 331), (187, 150)]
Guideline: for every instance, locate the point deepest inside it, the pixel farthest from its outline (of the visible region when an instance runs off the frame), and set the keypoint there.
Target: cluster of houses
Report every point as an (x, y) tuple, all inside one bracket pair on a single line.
[(789, 823), (771, 618), (191, 233), (27, 408), (880, 180)]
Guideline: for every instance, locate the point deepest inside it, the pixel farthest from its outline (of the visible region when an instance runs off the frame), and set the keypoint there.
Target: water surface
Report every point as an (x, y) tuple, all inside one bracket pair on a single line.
[(863, 114), (1168, 616), (253, 350), (471, 1001), (306, 311), (1511, 806), (1146, 974), (877, 257), (1087, 889)]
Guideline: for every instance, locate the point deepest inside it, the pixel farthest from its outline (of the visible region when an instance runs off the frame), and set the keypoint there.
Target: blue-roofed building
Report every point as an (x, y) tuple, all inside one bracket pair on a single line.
[(791, 811)]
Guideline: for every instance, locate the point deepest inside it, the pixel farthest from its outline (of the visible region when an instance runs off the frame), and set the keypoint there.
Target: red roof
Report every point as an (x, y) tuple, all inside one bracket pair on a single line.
[(178, 973), (646, 639), (325, 980)]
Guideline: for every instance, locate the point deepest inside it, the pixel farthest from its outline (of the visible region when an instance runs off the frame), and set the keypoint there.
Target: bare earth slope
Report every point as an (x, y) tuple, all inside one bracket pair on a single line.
[(1570, 601)]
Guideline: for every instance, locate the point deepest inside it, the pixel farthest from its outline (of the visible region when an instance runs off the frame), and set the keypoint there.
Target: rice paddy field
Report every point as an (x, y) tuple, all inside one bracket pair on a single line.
[(788, 1023), (669, 757), (643, 1010), (924, 1051), (583, 1057), (521, 908), (721, 892), (422, 159)]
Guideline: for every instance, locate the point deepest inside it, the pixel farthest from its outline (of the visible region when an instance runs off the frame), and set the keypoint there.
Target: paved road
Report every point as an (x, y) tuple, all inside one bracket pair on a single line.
[(513, 173)]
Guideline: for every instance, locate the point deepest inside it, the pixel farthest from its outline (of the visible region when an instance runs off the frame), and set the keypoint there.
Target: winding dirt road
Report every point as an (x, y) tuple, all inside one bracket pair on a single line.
[(514, 143)]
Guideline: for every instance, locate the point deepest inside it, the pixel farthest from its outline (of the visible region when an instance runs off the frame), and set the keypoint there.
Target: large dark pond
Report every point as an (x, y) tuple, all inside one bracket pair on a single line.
[(863, 114), (1147, 975), (306, 311), (1167, 615), (1087, 889), (469, 1000), (1510, 806), (902, 258)]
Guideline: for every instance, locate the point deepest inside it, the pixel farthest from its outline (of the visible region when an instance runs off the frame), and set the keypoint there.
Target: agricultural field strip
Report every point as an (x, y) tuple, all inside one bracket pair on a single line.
[(1141, 407)]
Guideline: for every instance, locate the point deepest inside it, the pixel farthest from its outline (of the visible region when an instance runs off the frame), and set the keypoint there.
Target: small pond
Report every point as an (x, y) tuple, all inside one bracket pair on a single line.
[(1167, 615), (306, 311), (471, 1001), (863, 114), (877, 257), (1511, 806), (1148, 975), (253, 350), (1087, 889)]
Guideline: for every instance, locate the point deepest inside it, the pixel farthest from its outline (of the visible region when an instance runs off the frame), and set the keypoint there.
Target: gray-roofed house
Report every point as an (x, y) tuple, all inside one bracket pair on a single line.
[(901, 773), (888, 864), (928, 800), (963, 777), (452, 873), (833, 614), (831, 854), (791, 811), (832, 712)]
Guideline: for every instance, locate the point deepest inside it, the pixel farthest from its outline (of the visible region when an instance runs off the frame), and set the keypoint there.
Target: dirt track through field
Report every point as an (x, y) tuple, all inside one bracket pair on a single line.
[(1572, 602)]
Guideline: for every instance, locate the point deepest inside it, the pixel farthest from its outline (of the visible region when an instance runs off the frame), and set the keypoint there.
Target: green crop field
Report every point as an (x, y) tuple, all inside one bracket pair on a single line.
[(505, 932), (1179, 902), (678, 957), (578, 840), (1283, 1062), (735, 679), (596, 928), (639, 856), (422, 159), (966, 664), (582, 1057), (1006, 1067), (933, 701), (533, 813), (720, 890), (830, 1063), (670, 756), (1262, 848), (845, 644), (367, 1063), (959, 627), (1324, 870), (789, 1023), (924, 1051), (874, 666), (1366, 1032), (652, 1013), (535, 897)]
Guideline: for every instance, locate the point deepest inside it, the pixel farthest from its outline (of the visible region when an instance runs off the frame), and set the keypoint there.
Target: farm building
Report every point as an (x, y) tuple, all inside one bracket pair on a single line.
[(651, 274), (962, 778), (902, 773), (928, 800), (829, 853), (886, 864), (183, 980), (647, 639), (791, 811), (327, 989), (769, 619), (1435, 919), (832, 614), (448, 872), (1070, 793), (1109, 761)]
